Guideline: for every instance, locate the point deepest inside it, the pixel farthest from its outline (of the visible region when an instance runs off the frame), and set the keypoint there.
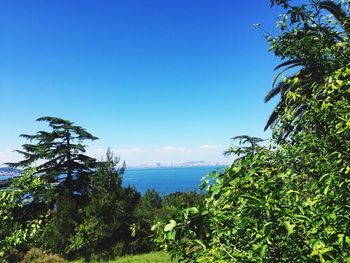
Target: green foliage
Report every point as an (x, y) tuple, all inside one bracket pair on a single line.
[(62, 154), (61, 226), (155, 257), (179, 200), (147, 212), (313, 42), (105, 227), (152, 208), (72, 205), (284, 205), (22, 213), (289, 201), (75, 206), (68, 171)]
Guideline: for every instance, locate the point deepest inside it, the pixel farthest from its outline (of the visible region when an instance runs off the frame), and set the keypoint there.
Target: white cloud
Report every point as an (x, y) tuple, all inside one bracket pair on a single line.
[(173, 149), (101, 152), (129, 150), (209, 147), (96, 152), (9, 156), (143, 155)]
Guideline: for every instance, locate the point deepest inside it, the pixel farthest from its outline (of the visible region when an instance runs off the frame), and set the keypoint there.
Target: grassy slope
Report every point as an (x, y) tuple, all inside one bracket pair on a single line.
[(154, 257)]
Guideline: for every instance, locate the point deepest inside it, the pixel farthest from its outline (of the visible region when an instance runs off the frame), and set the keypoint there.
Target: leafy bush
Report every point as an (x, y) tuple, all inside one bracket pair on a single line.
[(36, 255), (152, 208), (285, 203), (22, 213), (179, 200), (104, 229), (288, 201)]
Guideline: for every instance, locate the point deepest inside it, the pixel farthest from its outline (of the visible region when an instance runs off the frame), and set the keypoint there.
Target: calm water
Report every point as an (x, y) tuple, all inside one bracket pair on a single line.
[(164, 180), (167, 180), (3, 177)]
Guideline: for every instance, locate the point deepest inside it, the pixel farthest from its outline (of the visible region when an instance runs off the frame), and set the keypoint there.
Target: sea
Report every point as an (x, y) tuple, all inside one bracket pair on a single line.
[(168, 180), (165, 180)]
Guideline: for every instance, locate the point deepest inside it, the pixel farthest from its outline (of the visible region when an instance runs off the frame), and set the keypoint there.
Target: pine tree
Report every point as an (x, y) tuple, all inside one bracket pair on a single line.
[(59, 155)]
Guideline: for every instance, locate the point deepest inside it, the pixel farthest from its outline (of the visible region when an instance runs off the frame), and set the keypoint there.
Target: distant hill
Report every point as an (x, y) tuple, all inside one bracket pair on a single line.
[(5, 171), (178, 165)]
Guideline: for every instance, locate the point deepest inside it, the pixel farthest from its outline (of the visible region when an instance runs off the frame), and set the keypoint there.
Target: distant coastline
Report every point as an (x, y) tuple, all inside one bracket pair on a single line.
[(12, 172), (179, 165), (5, 171)]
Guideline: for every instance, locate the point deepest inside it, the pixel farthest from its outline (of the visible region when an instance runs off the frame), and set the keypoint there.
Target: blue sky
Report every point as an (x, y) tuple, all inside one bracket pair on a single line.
[(157, 81)]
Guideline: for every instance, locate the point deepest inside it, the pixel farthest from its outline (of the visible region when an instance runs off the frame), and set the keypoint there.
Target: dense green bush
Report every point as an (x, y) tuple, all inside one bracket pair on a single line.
[(104, 227), (112, 221), (288, 201), (71, 204), (22, 213), (152, 208), (179, 200), (278, 204)]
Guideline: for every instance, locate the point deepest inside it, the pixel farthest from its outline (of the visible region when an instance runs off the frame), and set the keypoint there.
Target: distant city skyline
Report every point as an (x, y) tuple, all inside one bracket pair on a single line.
[(141, 157), (156, 81)]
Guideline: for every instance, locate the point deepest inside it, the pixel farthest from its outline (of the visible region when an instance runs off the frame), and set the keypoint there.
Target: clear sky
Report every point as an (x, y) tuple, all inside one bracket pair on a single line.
[(157, 80)]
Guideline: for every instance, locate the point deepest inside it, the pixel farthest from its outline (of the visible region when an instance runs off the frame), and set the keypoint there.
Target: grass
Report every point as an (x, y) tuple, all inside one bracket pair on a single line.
[(153, 257)]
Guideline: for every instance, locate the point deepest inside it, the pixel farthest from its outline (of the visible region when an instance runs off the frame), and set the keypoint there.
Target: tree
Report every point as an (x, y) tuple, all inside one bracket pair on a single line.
[(314, 43), (104, 229), (289, 204), (60, 155), (289, 201), (148, 210), (59, 159)]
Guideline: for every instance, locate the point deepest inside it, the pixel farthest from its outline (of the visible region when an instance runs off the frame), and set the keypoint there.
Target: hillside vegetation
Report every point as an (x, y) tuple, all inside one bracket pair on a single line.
[(282, 200), (287, 200)]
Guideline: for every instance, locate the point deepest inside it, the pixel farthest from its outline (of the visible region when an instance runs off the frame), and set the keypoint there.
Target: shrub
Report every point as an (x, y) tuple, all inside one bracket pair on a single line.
[(288, 201), (36, 255)]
